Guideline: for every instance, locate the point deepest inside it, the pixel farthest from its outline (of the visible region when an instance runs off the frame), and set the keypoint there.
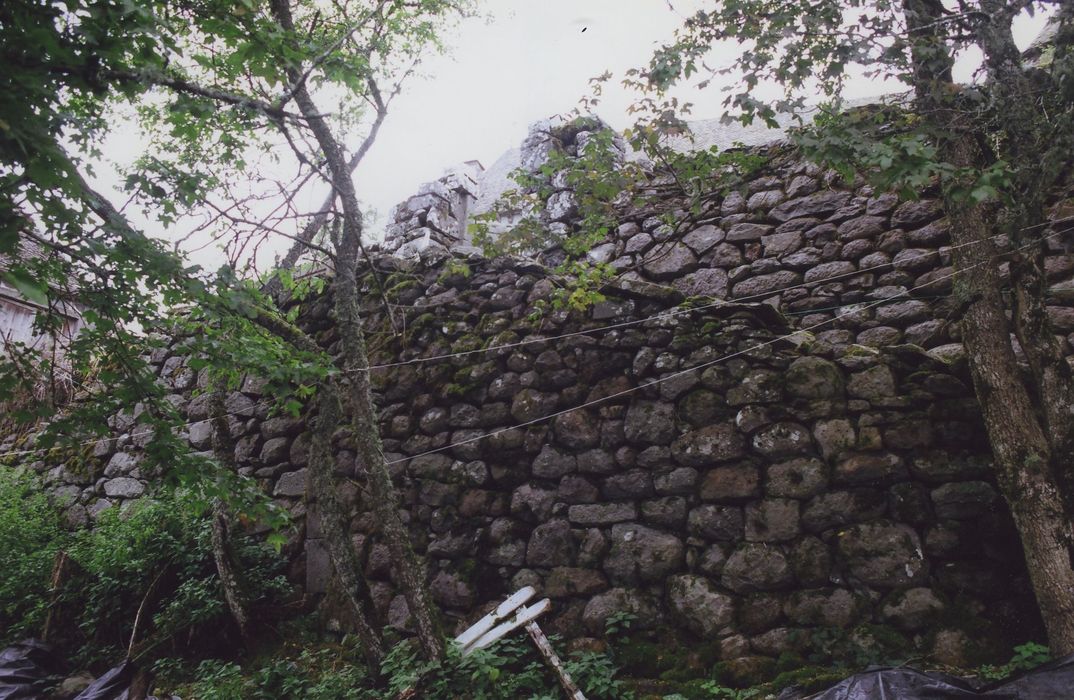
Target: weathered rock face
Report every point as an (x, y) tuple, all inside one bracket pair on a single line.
[(696, 470)]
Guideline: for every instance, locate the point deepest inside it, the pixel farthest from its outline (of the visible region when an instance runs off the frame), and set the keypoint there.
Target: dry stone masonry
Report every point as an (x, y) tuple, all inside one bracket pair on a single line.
[(725, 477), (437, 214)]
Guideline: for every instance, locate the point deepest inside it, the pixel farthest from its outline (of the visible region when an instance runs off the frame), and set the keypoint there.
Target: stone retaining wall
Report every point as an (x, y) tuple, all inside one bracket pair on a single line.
[(793, 486), (733, 480)]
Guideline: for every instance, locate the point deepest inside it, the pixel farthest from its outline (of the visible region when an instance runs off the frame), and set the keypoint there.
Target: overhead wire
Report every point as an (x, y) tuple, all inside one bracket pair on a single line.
[(786, 337), (858, 308), (671, 313)]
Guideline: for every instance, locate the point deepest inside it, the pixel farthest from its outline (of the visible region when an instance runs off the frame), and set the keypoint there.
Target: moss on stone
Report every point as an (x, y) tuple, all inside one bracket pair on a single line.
[(399, 282), (808, 679), (745, 672), (855, 350), (454, 273), (666, 658), (468, 342)]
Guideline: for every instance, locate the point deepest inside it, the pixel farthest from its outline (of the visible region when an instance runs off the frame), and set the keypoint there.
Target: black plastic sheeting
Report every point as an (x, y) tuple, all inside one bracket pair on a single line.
[(27, 668), (1052, 681), (112, 685)]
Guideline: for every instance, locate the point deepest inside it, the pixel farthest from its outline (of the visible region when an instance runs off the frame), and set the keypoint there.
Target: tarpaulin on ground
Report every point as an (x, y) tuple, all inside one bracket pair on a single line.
[(1052, 681), (27, 668), (111, 686)]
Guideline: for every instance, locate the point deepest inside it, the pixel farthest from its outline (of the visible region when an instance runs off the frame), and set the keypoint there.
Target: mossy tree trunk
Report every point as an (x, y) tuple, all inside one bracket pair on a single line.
[(322, 488), (1029, 425), (223, 450), (334, 525), (358, 397)]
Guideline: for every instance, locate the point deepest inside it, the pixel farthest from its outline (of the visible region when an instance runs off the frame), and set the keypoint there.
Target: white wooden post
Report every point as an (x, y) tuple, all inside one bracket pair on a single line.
[(552, 659)]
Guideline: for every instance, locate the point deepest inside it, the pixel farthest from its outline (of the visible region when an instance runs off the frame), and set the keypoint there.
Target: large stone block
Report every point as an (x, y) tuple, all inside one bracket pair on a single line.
[(699, 606), (553, 463), (532, 503), (709, 445), (781, 440), (291, 484), (551, 544), (819, 204), (123, 487), (564, 582), (813, 378), (824, 608), (772, 520), (640, 554), (602, 606), (884, 555), (602, 513), (731, 483), (796, 478), (757, 567), (649, 422), (719, 523), (668, 260)]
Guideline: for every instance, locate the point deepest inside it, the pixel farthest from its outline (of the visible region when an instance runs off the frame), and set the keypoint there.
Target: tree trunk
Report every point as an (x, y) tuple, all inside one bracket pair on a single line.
[(1019, 446), (345, 562), (223, 449), (322, 485), (228, 581), (408, 567), (1020, 443), (1029, 144)]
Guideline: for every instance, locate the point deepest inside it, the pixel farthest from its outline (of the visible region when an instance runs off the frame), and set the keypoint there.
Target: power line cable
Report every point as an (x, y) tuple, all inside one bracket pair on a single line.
[(680, 373), (673, 313)]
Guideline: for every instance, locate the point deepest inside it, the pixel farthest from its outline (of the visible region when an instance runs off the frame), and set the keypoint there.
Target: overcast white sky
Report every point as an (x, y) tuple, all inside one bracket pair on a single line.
[(521, 61), (532, 61)]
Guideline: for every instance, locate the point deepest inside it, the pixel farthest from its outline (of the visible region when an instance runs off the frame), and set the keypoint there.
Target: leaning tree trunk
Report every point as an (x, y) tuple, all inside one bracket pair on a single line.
[(223, 449), (409, 569), (345, 562), (1037, 151), (1020, 448), (1020, 445)]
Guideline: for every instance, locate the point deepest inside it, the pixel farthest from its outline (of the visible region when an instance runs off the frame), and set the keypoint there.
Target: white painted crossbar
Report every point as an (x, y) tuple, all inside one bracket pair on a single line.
[(479, 628), (510, 615), (523, 616)]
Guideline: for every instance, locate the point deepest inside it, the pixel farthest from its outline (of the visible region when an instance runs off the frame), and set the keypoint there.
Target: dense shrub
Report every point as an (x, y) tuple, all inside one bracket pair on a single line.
[(156, 549), (31, 532)]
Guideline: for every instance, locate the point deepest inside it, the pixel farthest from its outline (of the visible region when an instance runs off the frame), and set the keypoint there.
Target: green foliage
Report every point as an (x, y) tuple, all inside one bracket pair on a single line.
[(604, 188), (217, 680), (169, 537), (31, 533), (212, 86), (618, 623), (804, 52), (323, 673), (887, 145), (507, 670), (720, 692), (163, 542), (596, 673), (862, 646), (454, 268), (1026, 658)]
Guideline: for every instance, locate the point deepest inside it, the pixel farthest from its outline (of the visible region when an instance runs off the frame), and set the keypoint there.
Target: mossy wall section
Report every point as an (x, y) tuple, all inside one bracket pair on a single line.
[(750, 487)]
